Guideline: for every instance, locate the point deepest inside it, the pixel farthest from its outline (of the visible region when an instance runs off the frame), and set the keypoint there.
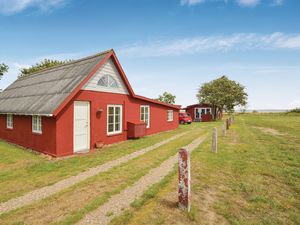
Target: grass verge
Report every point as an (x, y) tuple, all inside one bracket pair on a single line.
[(253, 179)]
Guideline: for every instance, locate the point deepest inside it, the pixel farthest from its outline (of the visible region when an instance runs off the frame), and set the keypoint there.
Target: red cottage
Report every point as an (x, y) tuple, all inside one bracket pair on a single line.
[(200, 112), (79, 105)]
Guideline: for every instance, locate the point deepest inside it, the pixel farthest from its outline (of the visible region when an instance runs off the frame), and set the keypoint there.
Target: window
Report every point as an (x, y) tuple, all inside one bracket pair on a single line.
[(145, 114), (37, 124), (114, 119), (208, 111), (9, 121), (108, 81), (170, 115)]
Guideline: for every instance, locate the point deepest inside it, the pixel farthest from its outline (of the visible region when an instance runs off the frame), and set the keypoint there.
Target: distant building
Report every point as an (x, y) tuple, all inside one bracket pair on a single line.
[(200, 112)]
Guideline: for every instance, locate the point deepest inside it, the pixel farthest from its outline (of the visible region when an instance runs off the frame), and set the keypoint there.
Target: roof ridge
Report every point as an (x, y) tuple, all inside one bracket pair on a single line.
[(67, 64)]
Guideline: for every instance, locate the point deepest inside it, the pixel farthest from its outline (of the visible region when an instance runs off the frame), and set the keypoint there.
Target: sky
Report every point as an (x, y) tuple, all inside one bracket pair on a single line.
[(165, 45)]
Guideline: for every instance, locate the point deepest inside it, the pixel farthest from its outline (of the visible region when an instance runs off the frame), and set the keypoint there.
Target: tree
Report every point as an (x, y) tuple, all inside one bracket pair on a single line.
[(223, 94), (167, 98), (45, 64), (3, 69)]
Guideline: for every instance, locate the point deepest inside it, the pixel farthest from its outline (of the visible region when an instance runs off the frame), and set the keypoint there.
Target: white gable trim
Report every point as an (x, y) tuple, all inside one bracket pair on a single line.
[(110, 69)]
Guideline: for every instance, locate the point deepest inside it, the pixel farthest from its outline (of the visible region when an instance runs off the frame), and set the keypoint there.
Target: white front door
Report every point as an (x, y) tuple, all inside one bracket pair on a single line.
[(81, 126)]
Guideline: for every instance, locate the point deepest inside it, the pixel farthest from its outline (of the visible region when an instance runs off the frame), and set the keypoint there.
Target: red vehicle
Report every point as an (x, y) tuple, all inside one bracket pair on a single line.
[(185, 118)]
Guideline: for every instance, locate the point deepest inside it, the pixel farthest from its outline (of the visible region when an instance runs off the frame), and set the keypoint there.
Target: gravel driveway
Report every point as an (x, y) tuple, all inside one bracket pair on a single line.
[(119, 202), (47, 191)]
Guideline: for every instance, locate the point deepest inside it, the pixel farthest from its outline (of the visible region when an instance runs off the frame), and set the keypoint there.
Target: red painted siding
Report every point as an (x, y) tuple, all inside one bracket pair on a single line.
[(21, 133), (57, 136), (98, 121), (191, 111)]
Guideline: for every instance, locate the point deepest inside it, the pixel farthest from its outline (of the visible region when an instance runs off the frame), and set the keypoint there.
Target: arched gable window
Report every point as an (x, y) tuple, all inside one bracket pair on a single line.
[(108, 81)]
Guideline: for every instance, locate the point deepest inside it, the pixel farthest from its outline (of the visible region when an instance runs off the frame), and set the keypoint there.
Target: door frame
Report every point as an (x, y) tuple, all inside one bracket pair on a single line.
[(89, 125), (195, 113)]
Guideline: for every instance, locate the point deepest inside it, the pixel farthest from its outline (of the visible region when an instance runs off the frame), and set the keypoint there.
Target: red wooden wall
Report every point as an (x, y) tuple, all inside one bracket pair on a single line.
[(21, 133), (191, 111), (100, 100)]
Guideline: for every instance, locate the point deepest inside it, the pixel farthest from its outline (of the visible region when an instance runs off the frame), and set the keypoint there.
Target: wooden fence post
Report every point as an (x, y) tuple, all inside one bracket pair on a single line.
[(184, 180), (227, 124), (214, 144), (224, 130)]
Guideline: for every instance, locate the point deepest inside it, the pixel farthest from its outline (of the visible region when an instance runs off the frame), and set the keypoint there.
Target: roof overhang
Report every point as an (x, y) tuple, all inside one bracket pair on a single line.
[(25, 114)]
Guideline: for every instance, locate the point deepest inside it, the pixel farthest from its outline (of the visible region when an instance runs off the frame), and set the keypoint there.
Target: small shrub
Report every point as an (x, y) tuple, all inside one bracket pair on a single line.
[(295, 110), (108, 214), (192, 214)]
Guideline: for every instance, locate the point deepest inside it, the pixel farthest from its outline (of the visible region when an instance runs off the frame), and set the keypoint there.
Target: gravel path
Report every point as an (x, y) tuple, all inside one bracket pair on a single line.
[(119, 202), (45, 192)]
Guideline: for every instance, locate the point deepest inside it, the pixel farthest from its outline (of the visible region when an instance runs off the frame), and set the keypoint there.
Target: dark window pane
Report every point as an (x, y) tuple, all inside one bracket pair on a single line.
[(110, 127), (111, 110), (117, 127)]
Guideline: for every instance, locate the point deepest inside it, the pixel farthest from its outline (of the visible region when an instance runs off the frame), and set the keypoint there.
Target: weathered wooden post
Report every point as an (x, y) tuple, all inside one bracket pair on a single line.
[(227, 124), (184, 179), (224, 130), (214, 144)]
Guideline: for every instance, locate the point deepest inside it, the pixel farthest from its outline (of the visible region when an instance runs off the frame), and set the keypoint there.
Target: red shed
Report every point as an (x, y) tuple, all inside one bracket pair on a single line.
[(79, 105), (200, 112)]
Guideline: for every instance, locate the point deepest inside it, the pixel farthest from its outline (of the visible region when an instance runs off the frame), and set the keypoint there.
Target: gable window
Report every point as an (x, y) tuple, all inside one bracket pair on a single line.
[(108, 81), (37, 124), (114, 119), (145, 114), (170, 115), (9, 121)]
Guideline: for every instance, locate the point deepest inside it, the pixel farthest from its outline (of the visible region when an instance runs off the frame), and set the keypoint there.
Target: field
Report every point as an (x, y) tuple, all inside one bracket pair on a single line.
[(253, 179)]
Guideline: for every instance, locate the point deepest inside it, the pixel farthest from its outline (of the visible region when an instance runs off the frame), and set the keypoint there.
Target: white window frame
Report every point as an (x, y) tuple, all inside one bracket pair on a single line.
[(9, 121), (144, 120), (37, 125), (170, 115), (110, 81), (114, 122)]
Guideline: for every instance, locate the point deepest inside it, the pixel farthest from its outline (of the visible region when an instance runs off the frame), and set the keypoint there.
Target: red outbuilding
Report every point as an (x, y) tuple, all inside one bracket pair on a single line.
[(77, 106), (200, 112)]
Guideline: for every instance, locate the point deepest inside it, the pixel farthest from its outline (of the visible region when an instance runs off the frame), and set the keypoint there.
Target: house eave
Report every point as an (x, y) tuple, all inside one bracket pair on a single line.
[(26, 114)]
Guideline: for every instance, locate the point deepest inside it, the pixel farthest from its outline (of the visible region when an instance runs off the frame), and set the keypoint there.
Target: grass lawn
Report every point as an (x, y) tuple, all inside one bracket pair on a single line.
[(72, 204), (253, 179), (22, 171)]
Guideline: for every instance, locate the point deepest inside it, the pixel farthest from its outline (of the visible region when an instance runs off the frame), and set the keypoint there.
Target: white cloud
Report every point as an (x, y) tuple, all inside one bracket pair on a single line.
[(236, 42), (248, 3), (60, 56), (243, 3), (9, 7), (191, 2), (19, 66), (277, 2), (294, 104)]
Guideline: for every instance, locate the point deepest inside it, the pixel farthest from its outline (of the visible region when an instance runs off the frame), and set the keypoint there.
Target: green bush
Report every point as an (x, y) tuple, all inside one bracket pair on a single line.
[(295, 110)]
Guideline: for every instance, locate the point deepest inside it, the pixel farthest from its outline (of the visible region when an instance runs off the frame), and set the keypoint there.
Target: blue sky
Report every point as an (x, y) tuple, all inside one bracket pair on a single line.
[(170, 45)]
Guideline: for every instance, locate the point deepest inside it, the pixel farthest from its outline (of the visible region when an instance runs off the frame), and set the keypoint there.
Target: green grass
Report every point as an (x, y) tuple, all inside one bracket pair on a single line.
[(253, 179), (22, 170), (70, 205)]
